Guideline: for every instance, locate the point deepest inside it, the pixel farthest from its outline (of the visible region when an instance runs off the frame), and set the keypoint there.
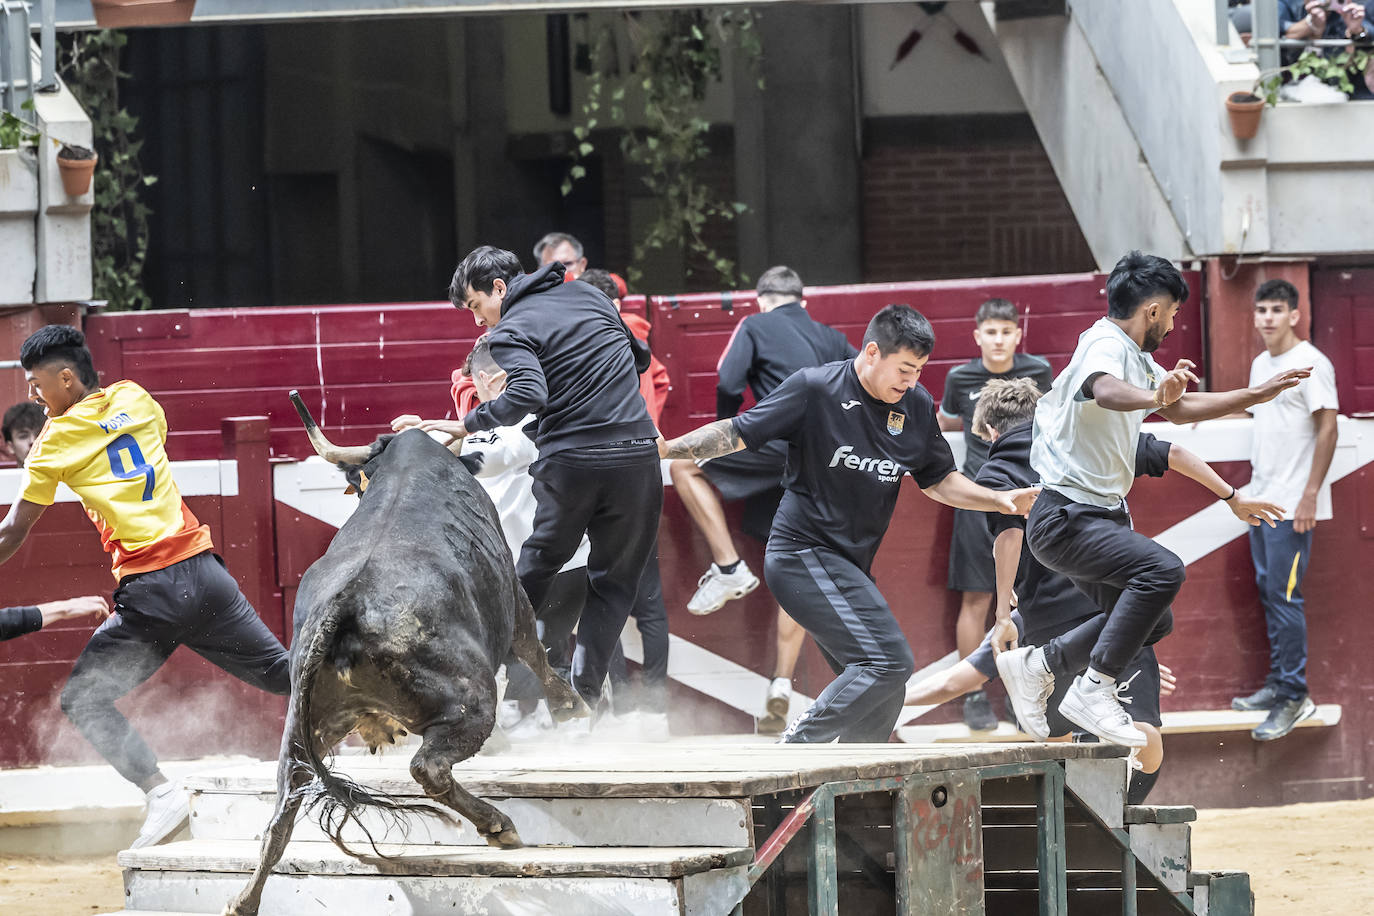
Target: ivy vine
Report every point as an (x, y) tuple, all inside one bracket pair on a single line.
[(674, 56), (119, 219)]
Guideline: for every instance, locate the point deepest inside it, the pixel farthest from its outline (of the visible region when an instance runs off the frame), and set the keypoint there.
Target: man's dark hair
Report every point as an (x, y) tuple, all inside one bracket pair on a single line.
[(1278, 291), (1137, 277), (779, 281), (480, 269), (480, 359), (553, 240), (60, 343), (900, 327), (996, 310), (1004, 403), (26, 416), (602, 280)]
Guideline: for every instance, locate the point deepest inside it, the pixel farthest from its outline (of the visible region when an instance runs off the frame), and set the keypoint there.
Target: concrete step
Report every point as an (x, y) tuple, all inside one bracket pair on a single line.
[(201, 876), (221, 815)]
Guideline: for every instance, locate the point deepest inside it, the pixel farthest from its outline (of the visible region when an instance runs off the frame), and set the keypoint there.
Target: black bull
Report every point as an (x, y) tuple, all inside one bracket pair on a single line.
[(399, 627)]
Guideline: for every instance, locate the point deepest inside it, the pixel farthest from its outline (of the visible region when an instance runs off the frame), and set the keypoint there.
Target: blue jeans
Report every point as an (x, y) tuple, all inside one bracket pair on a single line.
[(1280, 555)]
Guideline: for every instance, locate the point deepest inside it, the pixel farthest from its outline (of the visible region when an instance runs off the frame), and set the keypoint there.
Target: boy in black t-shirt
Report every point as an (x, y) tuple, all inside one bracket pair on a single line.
[(852, 429), (997, 331)]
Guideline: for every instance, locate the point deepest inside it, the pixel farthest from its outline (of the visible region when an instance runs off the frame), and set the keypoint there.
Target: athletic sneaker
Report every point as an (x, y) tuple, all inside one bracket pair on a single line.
[(775, 706), (1267, 697), (169, 809), (978, 714), (715, 588), (1099, 711), (1029, 686), (1283, 718)]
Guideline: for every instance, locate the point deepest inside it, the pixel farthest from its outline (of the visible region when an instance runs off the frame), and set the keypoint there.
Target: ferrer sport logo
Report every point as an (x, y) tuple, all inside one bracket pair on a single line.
[(895, 422), (887, 470)]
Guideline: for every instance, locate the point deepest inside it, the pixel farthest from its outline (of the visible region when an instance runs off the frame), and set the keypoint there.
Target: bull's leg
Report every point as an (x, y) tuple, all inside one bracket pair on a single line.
[(564, 702), (432, 767), (292, 773)]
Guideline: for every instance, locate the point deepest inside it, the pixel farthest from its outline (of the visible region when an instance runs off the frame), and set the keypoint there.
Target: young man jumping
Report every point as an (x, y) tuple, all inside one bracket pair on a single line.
[(853, 428), (1085, 439), (108, 446)]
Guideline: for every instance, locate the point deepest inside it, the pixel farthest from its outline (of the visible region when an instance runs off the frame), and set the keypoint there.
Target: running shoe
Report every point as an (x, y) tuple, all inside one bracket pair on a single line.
[(1029, 686), (775, 706), (169, 809), (1099, 711), (1266, 698), (715, 588), (1283, 718), (978, 714)]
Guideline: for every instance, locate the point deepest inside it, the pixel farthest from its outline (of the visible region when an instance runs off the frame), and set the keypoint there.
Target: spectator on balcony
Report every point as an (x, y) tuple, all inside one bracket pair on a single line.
[(1291, 450), (997, 332), (23, 422), (1330, 19), (563, 248)]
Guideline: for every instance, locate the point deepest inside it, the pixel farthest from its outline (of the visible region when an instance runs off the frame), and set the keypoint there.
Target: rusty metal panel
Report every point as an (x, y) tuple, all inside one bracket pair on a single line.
[(939, 840)]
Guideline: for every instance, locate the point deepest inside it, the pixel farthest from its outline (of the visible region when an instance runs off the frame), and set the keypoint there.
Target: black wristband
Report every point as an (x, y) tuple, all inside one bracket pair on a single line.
[(1227, 499)]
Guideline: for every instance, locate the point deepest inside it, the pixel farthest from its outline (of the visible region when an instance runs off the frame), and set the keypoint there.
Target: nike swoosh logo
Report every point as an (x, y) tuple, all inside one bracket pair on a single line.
[(848, 404)]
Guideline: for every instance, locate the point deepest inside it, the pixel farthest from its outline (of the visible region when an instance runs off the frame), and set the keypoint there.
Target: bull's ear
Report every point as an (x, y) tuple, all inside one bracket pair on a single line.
[(350, 490)]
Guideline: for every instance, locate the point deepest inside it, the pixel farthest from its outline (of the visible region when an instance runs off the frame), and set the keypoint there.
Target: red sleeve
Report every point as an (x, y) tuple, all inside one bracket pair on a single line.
[(464, 393), (654, 385)]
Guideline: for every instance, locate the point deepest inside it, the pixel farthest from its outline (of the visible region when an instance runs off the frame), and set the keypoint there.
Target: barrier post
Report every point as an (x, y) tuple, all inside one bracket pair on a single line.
[(247, 539)]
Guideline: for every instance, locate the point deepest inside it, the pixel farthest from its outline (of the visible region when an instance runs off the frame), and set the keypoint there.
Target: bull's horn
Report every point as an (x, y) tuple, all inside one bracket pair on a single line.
[(334, 454)]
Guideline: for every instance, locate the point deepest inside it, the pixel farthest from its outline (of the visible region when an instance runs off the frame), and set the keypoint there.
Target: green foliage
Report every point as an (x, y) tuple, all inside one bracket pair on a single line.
[(1339, 70), (16, 132), (119, 220), (675, 55)]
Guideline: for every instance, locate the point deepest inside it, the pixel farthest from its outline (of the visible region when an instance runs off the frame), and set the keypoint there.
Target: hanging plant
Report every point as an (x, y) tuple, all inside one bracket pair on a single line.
[(674, 56), (119, 218)]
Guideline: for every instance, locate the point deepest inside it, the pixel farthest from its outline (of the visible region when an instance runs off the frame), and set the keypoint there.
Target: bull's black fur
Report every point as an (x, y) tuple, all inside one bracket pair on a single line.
[(401, 625)]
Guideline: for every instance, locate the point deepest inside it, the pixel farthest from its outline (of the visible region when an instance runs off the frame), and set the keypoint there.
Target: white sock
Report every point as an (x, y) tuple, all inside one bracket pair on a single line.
[(1096, 680), (1037, 657), (782, 683)]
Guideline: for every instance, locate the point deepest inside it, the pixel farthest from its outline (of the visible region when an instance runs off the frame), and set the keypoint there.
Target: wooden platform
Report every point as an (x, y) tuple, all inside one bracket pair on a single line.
[(709, 828)]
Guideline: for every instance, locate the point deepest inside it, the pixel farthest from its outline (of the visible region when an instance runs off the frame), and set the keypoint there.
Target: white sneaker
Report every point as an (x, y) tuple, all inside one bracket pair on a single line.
[(508, 713), (715, 588), (1100, 712), (775, 706), (169, 809), (1029, 687)]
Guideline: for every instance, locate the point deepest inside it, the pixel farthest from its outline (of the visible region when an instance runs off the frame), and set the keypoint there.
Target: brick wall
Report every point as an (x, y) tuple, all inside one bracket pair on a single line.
[(972, 196)]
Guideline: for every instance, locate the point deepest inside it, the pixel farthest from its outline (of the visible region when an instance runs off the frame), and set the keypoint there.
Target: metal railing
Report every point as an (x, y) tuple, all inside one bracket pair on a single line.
[(1265, 40), (16, 69)]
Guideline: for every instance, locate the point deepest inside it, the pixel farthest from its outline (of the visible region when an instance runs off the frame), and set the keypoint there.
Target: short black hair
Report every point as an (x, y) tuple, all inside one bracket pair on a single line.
[(1277, 291), (479, 271), (26, 416), (1137, 277), (60, 343), (996, 310), (780, 281), (900, 327), (602, 280)]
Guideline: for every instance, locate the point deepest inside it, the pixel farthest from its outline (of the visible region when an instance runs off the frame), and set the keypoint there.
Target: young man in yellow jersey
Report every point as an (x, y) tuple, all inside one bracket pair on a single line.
[(108, 446)]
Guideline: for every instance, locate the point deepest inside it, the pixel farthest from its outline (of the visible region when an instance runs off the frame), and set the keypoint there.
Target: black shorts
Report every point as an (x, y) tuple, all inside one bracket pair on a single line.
[(970, 553), (747, 473)]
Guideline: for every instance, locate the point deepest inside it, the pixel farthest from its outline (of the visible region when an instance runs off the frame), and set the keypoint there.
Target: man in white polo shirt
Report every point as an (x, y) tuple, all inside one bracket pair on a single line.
[(1085, 437), (1294, 440)]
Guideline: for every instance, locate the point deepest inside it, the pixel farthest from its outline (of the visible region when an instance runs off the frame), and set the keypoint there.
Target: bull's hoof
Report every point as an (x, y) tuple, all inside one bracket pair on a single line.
[(239, 908), (573, 707), (506, 839)]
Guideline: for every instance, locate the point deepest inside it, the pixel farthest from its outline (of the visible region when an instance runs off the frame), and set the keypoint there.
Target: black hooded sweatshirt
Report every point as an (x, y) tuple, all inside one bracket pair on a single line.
[(1048, 600), (569, 360)]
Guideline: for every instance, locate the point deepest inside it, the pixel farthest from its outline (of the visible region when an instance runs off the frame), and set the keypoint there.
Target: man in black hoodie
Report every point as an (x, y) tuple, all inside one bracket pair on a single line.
[(570, 360)]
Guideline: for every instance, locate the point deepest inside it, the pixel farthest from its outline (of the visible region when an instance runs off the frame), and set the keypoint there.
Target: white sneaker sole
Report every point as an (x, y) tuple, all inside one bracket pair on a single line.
[(731, 595), (1013, 676), (1072, 710)]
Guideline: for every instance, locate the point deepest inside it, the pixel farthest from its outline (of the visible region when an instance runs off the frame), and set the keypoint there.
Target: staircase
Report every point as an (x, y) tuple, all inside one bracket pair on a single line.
[(715, 829)]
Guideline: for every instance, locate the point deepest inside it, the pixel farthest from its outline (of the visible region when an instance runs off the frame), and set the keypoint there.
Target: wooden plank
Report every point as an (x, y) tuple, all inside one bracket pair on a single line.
[(1160, 814), (1050, 825), (441, 861), (1100, 785), (1165, 850), (939, 842), (823, 892)]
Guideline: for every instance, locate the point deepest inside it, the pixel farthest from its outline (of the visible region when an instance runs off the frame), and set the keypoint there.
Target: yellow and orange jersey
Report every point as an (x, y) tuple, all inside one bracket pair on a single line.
[(110, 450)]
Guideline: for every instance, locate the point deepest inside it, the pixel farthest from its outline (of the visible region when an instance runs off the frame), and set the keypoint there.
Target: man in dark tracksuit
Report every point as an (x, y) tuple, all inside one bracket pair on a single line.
[(853, 429), (571, 361)]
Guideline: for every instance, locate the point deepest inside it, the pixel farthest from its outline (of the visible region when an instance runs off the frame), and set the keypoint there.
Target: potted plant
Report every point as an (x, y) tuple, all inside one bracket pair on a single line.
[(1338, 70), (119, 14), (77, 164)]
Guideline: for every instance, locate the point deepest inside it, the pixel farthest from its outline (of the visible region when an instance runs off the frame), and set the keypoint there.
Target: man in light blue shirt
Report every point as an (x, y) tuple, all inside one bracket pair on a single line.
[(1086, 431)]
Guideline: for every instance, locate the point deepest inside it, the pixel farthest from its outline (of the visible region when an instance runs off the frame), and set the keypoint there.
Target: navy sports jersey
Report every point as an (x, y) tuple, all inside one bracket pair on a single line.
[(965, 382), (767, 348), (1049, 601), (846, 454)]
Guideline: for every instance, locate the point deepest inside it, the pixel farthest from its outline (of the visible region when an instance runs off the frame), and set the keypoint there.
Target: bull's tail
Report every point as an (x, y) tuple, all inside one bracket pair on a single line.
[(332, 798)]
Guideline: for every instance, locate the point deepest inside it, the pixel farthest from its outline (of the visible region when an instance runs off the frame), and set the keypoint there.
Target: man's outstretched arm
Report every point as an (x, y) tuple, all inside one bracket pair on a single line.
[(709, 441), (15, 528), (1211, 405)]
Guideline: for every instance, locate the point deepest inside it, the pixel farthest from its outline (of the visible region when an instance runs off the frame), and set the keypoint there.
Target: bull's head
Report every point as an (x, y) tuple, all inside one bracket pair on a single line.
[(354, 460)]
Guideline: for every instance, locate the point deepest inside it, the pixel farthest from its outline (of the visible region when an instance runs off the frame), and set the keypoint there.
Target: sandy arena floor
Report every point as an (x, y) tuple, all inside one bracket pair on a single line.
[(1318, 856)]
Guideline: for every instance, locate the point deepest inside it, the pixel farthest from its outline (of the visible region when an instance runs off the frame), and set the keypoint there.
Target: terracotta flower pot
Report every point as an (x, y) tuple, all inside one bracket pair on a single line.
[(76, 174), (1244, 109), (118, 14)]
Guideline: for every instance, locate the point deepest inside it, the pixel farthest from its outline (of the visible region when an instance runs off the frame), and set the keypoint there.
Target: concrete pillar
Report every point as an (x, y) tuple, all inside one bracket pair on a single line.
[(798, 160), (1232, 341)]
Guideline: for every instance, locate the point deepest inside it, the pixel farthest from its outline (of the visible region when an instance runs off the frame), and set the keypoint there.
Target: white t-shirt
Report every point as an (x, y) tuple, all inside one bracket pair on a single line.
[(507, 454), (1083, 450), (1285, 435)]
